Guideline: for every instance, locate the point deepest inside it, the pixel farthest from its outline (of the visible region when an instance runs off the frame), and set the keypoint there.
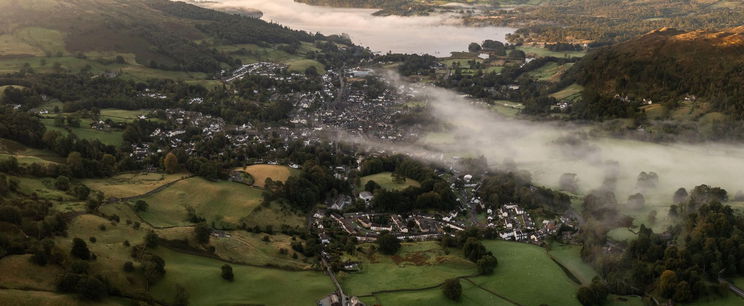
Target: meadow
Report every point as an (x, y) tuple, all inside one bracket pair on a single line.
[(385, 179), (570, 92), (550, 72), (27, 155), (261, 172), (417, 265), (131, 184), (222, 203), (570, 257), (113, 137), (544, 52), (200, 277)]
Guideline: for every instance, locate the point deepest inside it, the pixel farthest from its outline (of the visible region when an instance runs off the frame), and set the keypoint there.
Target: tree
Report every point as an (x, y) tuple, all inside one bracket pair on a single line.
[(594, 294), (474, 249), (153, 267), (517, 54), (487, 264), (62, 183), (474, 47), (682, 292), (667, 283), (227, 272), (182, 296), (80, 249), (452, 289), (91, 288), (128, 266), (141, 206), (151, 239), (82, 192), (202, 231), (75, 162), (371, 186), (170, 163), (388, 243)]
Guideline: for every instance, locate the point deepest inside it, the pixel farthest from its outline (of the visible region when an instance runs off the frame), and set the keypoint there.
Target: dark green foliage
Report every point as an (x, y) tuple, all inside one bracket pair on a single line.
[(452, 289), (202, 232), (151, 239), (388, 244), (487, 264), (91, 288), (80, 249), (128, 267), (593, 295), (182, 296), (227, 272), (141, 206)]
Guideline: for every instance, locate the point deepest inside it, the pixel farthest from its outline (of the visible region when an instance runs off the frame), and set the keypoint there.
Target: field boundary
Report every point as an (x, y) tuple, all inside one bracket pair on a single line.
[(151, 192)]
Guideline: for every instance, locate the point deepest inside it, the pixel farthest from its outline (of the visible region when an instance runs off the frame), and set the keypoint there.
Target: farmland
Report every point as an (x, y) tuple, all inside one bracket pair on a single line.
[(201, 278), (131, 184), (385, 179), (570, 257), (112, 137), (261, 172), (222, 203)]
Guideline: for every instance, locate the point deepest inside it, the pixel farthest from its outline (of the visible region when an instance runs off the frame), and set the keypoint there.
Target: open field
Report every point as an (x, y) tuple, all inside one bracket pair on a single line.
[(417, 265), (507, 108), (26, 155), (528, 276), (221, 203), (295, 62), (550, 72), (131, 184), (252, 286), (45, 298), (26, 275), (543, 52), (385, 179), (43, 187), (113, 137), (121, 115), (275, 215), (569, 92), (471, 295), (570, 257), (245, 247), (261, 172)]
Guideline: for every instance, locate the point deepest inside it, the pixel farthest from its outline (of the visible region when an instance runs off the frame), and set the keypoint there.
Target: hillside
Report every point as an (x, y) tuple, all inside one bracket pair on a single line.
[(676, 69), (153, 33)]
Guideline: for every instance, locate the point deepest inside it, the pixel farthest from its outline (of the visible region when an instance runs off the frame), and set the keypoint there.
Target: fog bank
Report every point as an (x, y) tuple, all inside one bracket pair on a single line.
[(436, 35)]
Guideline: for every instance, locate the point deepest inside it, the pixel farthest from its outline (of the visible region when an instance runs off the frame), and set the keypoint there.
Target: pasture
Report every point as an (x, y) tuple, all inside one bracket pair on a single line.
[(131, 184), (261, 172), (471, 295), (26, 275), (112, 137), (275, 215), (417, 265), (544, 52), (570, 92), (27, 155), (550, 72), (385, 179), (200, 277), (222, 203), (570, 257), (527, 275), (18, 297)]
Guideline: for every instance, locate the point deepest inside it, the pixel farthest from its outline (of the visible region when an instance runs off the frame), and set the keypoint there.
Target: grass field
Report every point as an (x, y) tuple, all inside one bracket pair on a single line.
[(222, 203), (252, 286), (550, 72), (527, 275), (26, 275), (113, 137), (543, 52), (245, 247), (261, 172), (295, 62), (44, 298), (417, 265), (570, 257), (43, 187), (385, 179), (507, 108), (275, 215), (121, 115), (569, 92), (26, 155), (131, 184), (471, 295)]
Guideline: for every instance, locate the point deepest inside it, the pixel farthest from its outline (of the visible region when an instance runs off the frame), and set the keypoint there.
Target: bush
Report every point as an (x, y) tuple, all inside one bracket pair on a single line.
[(227, 272), (80, 249), (452, 289)]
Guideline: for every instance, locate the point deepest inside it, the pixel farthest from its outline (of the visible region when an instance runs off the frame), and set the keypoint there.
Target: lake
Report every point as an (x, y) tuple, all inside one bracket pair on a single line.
[(436, 35)]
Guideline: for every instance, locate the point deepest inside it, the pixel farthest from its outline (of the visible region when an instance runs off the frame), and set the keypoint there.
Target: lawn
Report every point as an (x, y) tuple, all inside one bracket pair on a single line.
[(570, 257), (417, 265), (220, 203), (200, 277), (131, 184), (527, 275), (385, 179), (261, 172)]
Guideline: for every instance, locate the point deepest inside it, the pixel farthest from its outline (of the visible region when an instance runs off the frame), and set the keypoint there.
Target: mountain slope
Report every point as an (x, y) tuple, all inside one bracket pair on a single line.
[(158, 33), (667, 66)]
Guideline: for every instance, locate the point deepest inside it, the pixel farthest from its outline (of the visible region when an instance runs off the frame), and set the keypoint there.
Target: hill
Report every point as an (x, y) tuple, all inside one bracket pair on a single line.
[(154, 33), (703, 69)]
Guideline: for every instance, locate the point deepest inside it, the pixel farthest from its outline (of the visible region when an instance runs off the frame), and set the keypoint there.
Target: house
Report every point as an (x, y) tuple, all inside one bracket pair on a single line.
[(366, 196)]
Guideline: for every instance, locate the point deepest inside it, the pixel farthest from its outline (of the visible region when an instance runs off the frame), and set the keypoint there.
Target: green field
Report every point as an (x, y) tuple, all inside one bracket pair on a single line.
[(507, 108), (223, 203), (550, 72), (570, 92), (543, 52), (570, 257), (417, 265), (26, 155), (113, 137), (121, 115), (385, 179), (528, 276), (131, 184), (471, 295), (252, 286), (295, 62), (275, 215)]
